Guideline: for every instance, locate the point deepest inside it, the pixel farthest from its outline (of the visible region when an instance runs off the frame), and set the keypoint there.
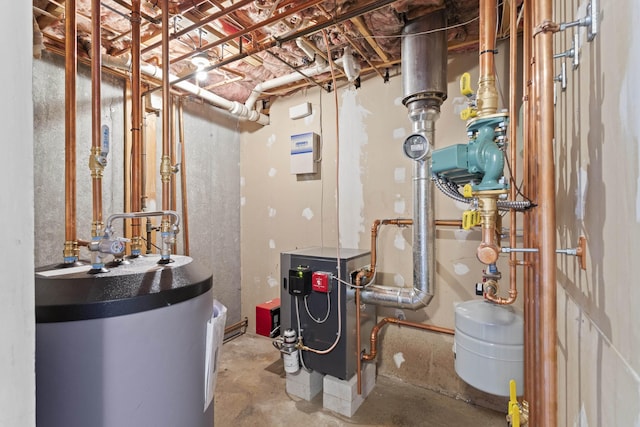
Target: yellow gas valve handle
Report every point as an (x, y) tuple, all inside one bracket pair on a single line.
[(465, 85), (468, 113), (513, 416), (470, 219), (467, 191)]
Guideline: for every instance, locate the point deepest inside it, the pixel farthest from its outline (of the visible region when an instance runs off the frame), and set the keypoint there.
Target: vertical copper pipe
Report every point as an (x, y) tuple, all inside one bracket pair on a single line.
[(173, 157), (96, 68), (183, 181), (136, 124), (548, 409), (173, 145), (359, 360), (487, 95), (513, 32), (529, 382), (487, 36), (165, 168), (513, 127), (71, 69)]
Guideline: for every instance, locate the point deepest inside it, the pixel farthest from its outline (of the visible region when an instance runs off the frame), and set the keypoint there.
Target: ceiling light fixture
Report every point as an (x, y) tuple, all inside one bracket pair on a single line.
[(200, 60)]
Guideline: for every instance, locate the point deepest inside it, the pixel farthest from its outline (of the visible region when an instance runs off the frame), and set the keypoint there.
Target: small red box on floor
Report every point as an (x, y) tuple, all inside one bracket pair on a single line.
[(268, 318)]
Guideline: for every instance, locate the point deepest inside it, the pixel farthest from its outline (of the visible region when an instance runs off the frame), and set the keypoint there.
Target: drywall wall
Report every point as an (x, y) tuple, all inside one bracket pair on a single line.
[(17, 319), (281, 212), (598, 160)]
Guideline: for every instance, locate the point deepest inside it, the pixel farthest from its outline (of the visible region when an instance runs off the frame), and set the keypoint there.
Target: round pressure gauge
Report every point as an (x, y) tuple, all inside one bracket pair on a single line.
[(416, 147)]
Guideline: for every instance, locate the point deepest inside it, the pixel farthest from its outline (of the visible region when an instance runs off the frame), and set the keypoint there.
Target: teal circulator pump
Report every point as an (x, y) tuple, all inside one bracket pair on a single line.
[(477, 167)]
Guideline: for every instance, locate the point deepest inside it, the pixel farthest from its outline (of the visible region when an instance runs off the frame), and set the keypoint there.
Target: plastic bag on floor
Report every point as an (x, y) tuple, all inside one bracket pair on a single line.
[(215, 335)]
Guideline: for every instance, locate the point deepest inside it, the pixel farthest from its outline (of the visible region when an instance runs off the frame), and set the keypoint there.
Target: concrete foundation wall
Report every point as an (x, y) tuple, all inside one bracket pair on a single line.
[(49, 155), (212, 162)]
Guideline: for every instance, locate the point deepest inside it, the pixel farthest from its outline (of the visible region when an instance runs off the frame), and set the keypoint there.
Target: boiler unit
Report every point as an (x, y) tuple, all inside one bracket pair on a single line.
[(322, 310)]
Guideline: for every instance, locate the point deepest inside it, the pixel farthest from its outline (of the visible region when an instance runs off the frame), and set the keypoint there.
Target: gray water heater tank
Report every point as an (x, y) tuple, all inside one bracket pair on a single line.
[(489, 346), (124, 348)]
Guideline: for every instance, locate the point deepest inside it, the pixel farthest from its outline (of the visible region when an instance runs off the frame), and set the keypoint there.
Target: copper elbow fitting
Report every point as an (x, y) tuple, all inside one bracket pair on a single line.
[(488, 250)]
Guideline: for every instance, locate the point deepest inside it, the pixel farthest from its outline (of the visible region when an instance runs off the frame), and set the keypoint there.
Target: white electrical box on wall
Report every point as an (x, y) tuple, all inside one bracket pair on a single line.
[(304, 149), (300, 111)]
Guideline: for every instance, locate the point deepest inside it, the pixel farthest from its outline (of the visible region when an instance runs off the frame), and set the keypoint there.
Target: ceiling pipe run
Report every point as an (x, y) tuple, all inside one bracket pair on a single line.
[(236, 108), (424, 71)]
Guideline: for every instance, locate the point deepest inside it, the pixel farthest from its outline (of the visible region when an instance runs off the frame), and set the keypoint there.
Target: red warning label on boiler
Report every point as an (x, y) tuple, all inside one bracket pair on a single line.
[(320, 282)]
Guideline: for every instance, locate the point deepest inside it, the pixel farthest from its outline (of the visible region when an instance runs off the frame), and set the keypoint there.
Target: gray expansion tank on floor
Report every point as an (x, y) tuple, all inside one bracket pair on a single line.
[(124, 348)]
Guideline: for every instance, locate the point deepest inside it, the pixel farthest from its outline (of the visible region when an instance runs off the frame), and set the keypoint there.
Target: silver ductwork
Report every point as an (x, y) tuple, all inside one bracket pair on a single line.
[(424, 61), (424, 74)]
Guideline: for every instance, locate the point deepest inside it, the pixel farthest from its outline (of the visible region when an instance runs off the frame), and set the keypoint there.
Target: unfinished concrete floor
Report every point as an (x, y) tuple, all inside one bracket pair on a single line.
[(250, 391)]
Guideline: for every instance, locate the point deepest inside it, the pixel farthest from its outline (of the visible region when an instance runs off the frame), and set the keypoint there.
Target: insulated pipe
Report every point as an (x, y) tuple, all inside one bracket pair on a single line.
[(543, 45), (70, 252), (233, 107), (373, 345), (283, 80), (136, 128)]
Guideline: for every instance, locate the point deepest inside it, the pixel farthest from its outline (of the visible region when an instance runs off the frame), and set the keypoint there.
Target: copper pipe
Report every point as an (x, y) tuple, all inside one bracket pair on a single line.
[(208, 19), (71, 70), (183, 181), (358, 332), (487, 94), (513, 32), (374, 238), (173, 157), (136, 125), (165, 165), (543, 42), (96, 65), (449, 222), (529, 385), (275, 18), (373, 351)]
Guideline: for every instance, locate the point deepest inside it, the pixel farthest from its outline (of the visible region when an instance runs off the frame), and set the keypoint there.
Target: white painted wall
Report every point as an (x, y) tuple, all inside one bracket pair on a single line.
[(17, 323), (598, 184)]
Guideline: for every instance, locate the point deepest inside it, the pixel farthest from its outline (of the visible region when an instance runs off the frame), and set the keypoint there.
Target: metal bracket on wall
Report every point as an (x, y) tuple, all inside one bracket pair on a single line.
[(580, 251), (590, 21), (572, 53)]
